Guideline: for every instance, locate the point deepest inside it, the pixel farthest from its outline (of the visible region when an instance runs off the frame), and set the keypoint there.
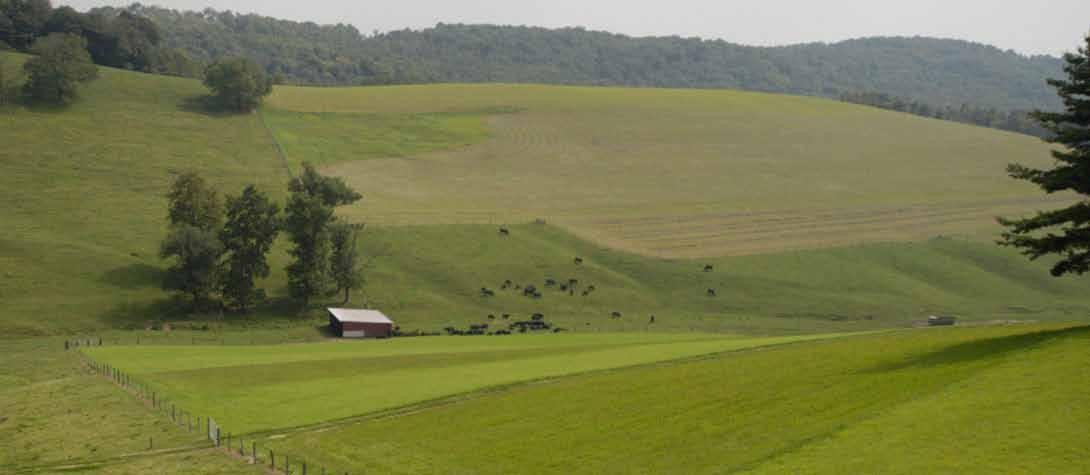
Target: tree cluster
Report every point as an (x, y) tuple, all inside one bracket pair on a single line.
[(1022, 122), (118, 39), (219, 248)]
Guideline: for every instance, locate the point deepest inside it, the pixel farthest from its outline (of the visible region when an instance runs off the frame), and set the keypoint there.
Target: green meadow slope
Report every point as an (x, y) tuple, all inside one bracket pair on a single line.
[(675, 173), (81, 200), (58, 416), (984, 400)]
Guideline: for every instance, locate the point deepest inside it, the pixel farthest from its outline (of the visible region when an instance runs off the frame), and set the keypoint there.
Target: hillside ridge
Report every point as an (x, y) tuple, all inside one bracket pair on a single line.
[(940, 72)]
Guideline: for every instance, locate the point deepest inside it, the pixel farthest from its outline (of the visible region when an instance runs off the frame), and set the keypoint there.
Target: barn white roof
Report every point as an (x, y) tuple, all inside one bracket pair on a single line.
[(359, 316)]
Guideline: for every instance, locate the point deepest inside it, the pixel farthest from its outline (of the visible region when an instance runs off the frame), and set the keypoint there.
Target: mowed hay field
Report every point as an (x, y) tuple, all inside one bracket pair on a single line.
[(261, 388), (980, 400), (673, 173)]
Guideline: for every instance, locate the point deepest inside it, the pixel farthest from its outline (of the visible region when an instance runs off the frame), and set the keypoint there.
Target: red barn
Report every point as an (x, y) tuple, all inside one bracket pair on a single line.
[(351, 323)]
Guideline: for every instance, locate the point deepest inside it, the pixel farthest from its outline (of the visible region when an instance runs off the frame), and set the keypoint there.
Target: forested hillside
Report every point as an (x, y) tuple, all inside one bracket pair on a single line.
[(936, 72)]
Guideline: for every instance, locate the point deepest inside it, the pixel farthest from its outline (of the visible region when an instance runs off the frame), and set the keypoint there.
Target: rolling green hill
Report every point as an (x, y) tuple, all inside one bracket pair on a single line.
[(618, 175), (674, 173)]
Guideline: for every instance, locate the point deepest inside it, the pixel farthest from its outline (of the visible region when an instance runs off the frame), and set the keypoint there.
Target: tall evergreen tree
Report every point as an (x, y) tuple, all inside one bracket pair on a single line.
[(1063, 232), (253, 222), (310, 213), (344, 264)]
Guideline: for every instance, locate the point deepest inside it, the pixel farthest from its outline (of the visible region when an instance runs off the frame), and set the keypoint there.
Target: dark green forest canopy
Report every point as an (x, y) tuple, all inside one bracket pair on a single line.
[(933, 71)]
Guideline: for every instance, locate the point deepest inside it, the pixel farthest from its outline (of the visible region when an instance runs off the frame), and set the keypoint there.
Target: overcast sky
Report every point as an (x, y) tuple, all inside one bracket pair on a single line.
[(1027, 26)]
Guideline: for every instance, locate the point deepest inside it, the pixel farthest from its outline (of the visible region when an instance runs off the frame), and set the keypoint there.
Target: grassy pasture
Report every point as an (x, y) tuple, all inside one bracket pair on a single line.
[(979, 400), (55, 413), (81, 200), (685, 173), (261, 388), (324, 138)]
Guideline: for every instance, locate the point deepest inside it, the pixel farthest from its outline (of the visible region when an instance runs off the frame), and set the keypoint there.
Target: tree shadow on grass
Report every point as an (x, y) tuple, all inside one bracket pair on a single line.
[(204, 105), (983, 349), (178, 310), (134, 276)]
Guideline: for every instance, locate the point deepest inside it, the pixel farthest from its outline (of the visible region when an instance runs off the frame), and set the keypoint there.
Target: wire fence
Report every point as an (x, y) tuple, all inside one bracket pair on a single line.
[(247, 449)]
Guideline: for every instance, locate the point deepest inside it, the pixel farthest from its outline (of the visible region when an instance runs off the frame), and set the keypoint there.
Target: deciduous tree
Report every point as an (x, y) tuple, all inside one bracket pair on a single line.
[(24, 21), (61, 65), (1064, 232), (196, 253), (309, 216), (253, 222), (192, 201), (195, 214), (344, 264), (237, 84)]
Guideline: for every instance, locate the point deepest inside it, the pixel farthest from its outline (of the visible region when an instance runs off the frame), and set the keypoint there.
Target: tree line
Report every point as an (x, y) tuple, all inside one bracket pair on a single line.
[(218, 247), (932, 71), (62, 63), (1019, 121), (114, 38)]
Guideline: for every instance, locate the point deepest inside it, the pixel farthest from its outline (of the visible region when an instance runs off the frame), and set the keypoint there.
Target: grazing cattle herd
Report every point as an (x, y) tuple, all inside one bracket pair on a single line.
[(537, 320)]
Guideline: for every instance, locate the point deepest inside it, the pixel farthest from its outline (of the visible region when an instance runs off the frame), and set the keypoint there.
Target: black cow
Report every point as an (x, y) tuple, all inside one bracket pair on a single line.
[(711, 293), (578, 261), (709, 268), (505, 231), (616, 315)]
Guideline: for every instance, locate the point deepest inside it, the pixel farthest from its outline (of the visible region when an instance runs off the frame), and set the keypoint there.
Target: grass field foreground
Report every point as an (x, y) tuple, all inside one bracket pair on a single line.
[(262, 388), (57, 415), (972, 400)]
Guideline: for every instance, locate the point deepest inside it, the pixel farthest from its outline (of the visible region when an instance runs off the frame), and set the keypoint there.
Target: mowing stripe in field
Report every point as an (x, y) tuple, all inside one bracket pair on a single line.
[(307, 384), (981, 400)]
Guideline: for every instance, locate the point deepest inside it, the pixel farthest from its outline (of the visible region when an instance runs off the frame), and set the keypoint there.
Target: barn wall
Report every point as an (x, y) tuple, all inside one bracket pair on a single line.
[(370, 329)]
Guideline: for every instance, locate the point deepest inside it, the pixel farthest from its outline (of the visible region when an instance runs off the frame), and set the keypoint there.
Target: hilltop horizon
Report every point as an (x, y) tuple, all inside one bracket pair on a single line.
[(771, 24)]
